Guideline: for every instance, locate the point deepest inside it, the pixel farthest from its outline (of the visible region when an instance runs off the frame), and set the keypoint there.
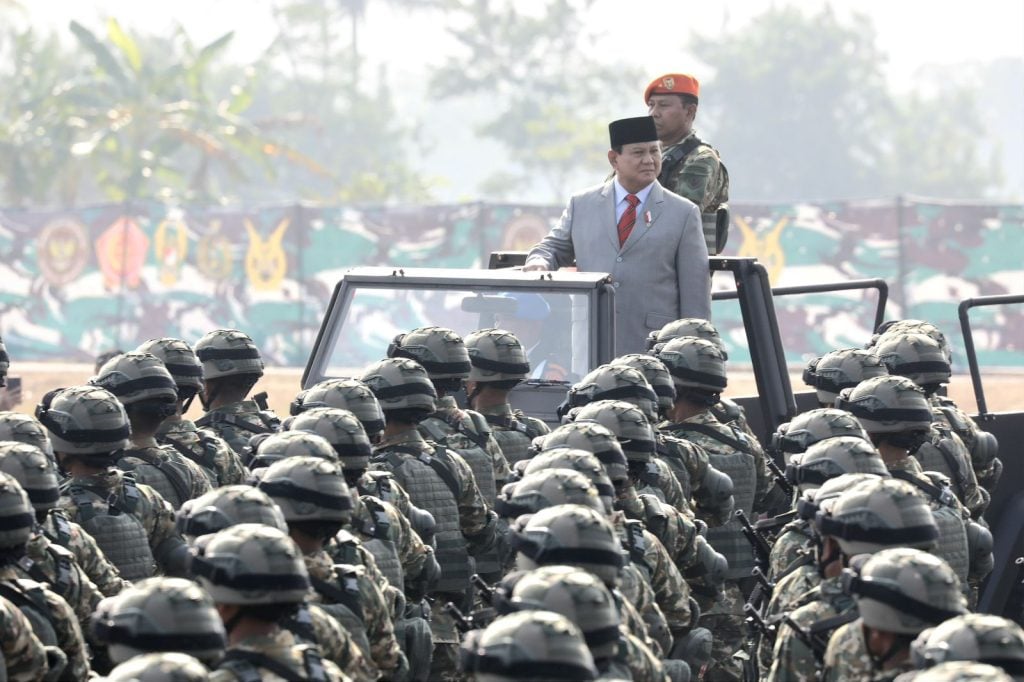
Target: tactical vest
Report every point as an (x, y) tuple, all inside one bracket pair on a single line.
[(169, 478), (246, 665), (514, 435), (112, 523), (953, 546), (943, 454), (428, 479), (28, 596), (376, 531), (735, 460), (202, 451), (59, 571), (343, 601), (448, 430), (668, 451)]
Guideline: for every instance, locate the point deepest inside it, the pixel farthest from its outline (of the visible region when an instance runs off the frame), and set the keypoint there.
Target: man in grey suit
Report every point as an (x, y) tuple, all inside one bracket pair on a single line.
[(648, 239)]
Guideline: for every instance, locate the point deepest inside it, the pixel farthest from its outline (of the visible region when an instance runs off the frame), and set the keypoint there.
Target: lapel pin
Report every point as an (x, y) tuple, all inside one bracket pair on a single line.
[(647, 218)]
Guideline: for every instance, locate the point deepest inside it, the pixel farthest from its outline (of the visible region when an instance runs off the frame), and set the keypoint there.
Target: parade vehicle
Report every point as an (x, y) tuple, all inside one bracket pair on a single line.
[(566, 322)]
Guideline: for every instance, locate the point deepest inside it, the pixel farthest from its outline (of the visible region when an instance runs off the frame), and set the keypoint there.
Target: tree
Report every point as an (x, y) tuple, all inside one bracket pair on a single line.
[(549, 97), (800, 109)]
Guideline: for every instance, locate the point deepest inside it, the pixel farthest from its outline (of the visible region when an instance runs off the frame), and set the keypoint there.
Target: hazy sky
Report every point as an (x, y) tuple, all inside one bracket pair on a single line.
[(649, 33)]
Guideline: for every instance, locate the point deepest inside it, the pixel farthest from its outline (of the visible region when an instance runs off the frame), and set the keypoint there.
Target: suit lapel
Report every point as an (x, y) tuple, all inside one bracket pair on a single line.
[(653, 205), (611, 227)]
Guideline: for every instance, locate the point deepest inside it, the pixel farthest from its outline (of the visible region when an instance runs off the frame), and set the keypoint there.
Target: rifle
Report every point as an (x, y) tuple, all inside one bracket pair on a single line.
[(485, 590), (762, 550), (462, 622), (780, 476)]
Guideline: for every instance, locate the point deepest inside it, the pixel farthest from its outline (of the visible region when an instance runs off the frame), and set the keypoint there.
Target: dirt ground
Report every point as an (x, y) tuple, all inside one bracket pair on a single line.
[(1004, 392)]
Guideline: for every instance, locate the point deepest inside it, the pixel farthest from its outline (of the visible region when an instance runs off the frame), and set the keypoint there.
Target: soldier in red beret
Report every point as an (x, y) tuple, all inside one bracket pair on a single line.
[(690, 167)]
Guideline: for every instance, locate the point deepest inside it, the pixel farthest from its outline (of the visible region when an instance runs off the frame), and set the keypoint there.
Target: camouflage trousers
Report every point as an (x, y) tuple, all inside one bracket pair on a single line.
[(444, 666), (725, 621)]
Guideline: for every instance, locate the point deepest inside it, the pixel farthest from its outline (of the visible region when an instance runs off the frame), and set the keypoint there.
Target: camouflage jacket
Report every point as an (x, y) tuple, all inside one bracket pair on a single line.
[(55, 566), (23, 653), (416, 558), (236, 423), (792, 546), (280, 647), (847, 658), (205, 448), (672, 593), (794, 657), (660, 480), (987, 466), (88, 555), (701, 177), (513, 431), (152, 511), (376, 614), (61, 617)]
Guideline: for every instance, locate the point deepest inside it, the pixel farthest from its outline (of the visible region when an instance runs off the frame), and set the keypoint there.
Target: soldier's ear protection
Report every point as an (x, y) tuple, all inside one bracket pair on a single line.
[(44, 403), (810, 375), (395, 347)]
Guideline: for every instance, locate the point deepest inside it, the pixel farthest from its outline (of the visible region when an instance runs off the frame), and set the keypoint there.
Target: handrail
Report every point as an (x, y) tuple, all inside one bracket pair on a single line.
[(876, 283), (963, 310)]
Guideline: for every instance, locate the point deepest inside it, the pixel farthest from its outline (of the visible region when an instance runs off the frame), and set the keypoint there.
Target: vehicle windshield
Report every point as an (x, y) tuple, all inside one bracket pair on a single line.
[(553, 326)]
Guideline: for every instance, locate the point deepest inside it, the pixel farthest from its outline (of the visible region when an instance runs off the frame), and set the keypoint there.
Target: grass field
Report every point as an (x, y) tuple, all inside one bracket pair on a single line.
[(1004, 391)]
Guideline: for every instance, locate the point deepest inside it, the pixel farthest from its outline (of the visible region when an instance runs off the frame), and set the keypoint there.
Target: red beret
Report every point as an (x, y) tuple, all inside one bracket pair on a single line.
[(673, 84)]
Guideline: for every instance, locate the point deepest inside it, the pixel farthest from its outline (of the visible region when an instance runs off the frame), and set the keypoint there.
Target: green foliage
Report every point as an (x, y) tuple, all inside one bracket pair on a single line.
[(800, 109), (528, 68)]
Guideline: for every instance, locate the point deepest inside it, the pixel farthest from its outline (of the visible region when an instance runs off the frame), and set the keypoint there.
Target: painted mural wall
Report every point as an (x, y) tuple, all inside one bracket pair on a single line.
[(76, 283)]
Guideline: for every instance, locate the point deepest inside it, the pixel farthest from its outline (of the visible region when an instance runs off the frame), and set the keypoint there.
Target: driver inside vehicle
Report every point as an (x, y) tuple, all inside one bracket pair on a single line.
[(549, 352)]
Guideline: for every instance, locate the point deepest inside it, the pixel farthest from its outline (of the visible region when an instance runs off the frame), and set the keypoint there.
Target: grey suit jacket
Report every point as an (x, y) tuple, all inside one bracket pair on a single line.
[(660, 274)]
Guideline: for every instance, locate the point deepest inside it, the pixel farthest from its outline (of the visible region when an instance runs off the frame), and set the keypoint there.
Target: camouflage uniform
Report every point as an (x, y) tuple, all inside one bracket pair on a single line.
[(791, 549), (23, 654), (467, 429), (236, 423), (794, 659), (982, 445), (205, 448), (846, 657), (373, 611), (151, 510), (88, 555), (175, 477), (313, 625), (282, 648), (56, 566), (160, 667), (701, 177)]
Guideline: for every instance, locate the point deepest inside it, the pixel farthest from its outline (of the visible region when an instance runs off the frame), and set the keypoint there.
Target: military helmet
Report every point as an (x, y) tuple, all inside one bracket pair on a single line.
[(833, 457), (308, 489), (5, 363), (228, 352), (812, 426), (629, 424), (957, 671), (918, 357), (160, 614), (341, 429), (34, 471), (532, 645), (888, 404), (17, 517), (839, 369), (227, 506), (274, 447), (84, 420), (899, 327), (496, 355), (137, 377), (580, 461), (250, 564), (615, 382), (346, 394), (545, 489), (569, 534), (879, 514), (972, 637), (657, 375), (24, 429), (181, 362), (904, 590), (400, 384), (592, 437), (687, 326), (813, 500), (439, 350), (577, 595), (694, 363), (160, 667)]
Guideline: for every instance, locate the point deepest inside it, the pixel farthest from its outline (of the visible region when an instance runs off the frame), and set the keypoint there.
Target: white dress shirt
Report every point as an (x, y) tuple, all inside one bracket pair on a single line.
[(621, 203)]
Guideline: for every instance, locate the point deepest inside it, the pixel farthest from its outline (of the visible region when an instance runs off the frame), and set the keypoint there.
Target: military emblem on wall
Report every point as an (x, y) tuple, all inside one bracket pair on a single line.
[(265, 261), (214, 255), (523, 231), (62, 251), (121, 252), (170, 243)]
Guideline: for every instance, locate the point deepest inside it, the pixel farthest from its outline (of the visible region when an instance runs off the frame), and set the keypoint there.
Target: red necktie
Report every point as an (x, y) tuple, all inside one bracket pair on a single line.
[(628, 218)]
